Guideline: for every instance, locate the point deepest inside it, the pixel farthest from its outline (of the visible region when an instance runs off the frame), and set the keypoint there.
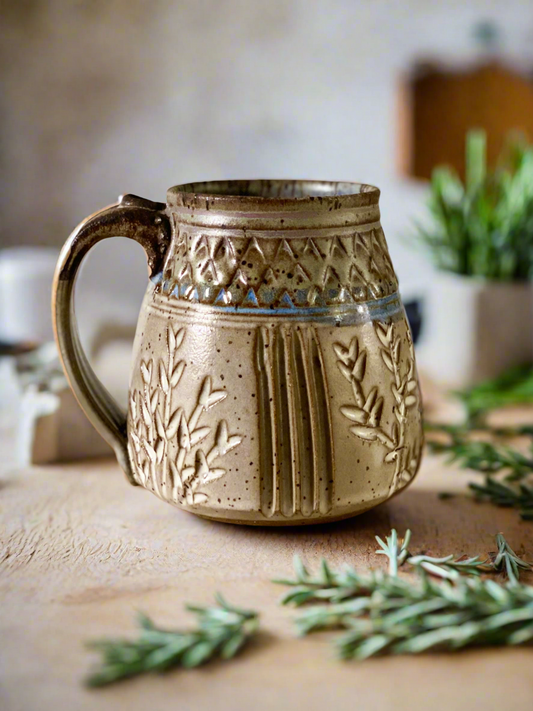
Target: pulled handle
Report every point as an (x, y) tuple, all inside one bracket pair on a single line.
[(135, 218)]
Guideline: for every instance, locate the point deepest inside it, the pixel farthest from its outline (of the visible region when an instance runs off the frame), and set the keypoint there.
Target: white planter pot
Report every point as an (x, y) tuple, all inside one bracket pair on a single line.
[(474, 329)]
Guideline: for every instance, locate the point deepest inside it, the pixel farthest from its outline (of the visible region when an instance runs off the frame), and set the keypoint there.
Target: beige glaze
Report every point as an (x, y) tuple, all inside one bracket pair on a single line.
[(274, 379)]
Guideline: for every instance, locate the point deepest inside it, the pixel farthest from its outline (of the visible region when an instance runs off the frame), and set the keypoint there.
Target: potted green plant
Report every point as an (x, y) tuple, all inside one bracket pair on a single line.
[(478, 314)]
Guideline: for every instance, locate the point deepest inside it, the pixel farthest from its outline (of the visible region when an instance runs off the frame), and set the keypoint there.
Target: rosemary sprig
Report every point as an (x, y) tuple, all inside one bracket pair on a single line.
[(326, 586), (397, 554), (507, 560), (416, 618), (339, 586), (222, 631), (485, 457), (385, 613), (519, 496), (449, 567), (514, 485)]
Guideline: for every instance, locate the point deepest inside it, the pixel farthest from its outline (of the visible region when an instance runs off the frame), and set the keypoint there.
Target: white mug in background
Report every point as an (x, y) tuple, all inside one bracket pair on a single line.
[(25, 312)]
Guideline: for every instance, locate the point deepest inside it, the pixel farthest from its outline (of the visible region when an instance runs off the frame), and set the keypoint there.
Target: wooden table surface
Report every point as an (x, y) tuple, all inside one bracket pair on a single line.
[(81, 551)]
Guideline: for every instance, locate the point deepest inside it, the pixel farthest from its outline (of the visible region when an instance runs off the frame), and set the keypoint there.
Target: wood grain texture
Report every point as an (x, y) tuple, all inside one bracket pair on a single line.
[(81, 551)]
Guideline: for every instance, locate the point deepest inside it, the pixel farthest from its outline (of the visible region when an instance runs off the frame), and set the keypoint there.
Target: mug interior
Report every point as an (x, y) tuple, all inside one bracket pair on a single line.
[(275, 189)]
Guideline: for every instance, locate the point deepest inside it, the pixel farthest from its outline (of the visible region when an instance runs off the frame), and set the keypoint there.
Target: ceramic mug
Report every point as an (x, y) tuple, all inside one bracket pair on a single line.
[(274, 378)]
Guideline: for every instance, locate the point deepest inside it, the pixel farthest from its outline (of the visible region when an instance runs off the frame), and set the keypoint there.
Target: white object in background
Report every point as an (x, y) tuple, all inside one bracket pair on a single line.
[(26, 275), (474, 329), (49, 425), (54, 428)]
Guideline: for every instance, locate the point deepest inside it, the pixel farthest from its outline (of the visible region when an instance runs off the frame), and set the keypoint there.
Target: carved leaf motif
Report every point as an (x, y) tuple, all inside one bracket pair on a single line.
[(174, 423), (199, 434), (160, 427), (358, 393), (176, 478), (360, 366), (355, 414), (179, 335), (368, 433), (163, 377), (213, 475), (345, 370), (146, 372), (341, 352), (384, 438), (165, 438), (171, 337), (175, 338), (184, 438), (233, 441), (382, 335), (177, 373), (150, 451), (396, 394), (375, 413), (147, 415), (370, 400), (396, 351), (200, 465), (368, 410), (187, 474), (136, 441), (203, 398), (387, 360), (214, 397), (133, 408), (221, 437)]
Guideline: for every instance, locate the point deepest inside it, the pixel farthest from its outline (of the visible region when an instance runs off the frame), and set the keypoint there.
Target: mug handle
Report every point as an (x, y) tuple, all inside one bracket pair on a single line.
[(146, 223)]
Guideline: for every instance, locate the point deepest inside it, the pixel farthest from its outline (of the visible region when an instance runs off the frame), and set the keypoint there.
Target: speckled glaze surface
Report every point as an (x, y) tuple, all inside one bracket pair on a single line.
[(274, 379)]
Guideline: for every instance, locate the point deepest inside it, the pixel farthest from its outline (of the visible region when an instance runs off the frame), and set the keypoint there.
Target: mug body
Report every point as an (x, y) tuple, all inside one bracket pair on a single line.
[(274, 378)]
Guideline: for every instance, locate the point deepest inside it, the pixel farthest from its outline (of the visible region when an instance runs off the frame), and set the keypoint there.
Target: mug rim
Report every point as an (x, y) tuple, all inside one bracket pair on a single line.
[(269, 194)]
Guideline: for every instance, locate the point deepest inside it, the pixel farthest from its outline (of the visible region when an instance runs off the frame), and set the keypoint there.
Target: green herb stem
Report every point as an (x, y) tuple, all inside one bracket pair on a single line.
[(222, 631)]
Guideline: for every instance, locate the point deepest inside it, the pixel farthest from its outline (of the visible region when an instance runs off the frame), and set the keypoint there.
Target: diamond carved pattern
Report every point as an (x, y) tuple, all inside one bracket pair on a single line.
[(256, 272)]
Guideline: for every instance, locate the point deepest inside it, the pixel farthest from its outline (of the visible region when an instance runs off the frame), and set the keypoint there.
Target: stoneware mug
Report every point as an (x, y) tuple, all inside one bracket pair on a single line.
[(274, 378)]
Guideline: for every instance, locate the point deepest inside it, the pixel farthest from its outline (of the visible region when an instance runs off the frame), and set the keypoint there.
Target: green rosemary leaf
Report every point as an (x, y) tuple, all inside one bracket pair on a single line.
[(222, 631), (419, 616), (443, 605), (519, 497), (449, 567), (514, 485), (484, 457), (396, 552), (506, 560)]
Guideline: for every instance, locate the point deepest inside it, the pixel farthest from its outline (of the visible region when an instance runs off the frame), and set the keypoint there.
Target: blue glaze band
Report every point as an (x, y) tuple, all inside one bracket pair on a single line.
[(334, 314)]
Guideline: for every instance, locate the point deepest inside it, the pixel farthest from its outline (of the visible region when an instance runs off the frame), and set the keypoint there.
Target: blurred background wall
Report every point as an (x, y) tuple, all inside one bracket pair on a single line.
[(105, 97)]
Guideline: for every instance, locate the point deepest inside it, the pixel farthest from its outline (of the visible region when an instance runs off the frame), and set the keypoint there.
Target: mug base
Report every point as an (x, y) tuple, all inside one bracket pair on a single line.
[(303, 521), (289, 522)]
